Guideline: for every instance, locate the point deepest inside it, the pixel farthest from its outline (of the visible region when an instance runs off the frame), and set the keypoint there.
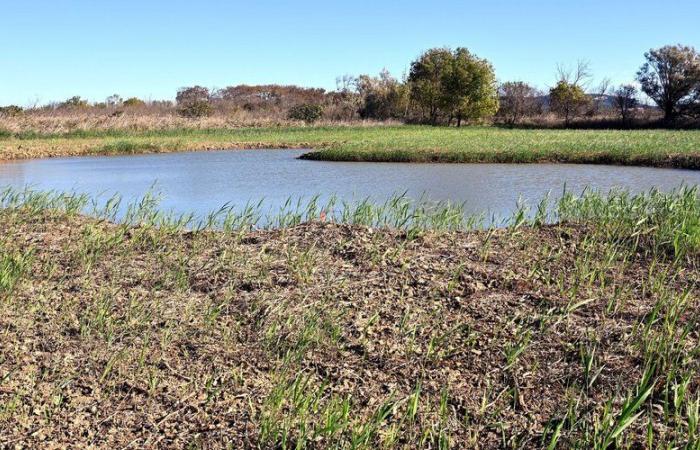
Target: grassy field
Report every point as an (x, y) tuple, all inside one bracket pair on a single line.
[(347, 333), (383, 143)]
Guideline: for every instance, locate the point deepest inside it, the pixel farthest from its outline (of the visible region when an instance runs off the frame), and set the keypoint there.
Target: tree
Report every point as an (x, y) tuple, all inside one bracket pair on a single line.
[(426, 80), (470, 88), (517, 100), (193, 102), (568, 97), (599, 98), (114, 100), (74, 102), (625, 99), (453, 83), (568, 100), (382, 97), (671, 78), (192, 94), (345, 101)]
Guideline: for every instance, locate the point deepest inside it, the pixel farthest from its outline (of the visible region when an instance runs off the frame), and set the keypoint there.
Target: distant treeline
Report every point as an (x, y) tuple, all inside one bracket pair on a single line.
[(444, 87)]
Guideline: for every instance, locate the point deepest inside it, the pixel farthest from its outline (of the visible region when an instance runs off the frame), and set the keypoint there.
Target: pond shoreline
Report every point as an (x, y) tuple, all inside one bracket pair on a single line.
[(319, 154), (686, 162)]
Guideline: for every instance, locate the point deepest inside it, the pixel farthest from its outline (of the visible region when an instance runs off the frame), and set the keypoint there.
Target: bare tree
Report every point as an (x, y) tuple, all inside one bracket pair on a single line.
[(600, 96), (517, 99), (578, 76), (345, 84), (626, 101), (345, 101)]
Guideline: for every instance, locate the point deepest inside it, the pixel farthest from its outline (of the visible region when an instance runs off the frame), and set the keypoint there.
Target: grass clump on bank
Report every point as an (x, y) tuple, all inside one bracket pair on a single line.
[(126, 147), (382, 326), (664, 148)]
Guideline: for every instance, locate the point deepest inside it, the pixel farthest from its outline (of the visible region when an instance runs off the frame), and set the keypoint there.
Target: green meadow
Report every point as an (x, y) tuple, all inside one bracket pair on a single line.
[(408, 143)]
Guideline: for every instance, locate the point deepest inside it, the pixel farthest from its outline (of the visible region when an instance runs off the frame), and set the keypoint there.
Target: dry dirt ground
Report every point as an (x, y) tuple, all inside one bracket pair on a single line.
[(324, 336)]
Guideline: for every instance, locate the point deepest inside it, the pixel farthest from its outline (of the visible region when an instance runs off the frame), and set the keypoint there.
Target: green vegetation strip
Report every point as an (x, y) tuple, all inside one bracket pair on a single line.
[(663, 148), (381, 326)]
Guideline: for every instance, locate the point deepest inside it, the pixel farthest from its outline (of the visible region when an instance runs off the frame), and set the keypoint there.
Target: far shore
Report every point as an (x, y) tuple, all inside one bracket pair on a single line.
[(417, 144)]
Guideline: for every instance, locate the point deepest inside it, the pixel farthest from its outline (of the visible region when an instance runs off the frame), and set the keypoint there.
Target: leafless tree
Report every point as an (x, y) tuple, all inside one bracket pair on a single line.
[(600, 96), (626, 101), (517, 99), (345, 83), (578, 76)]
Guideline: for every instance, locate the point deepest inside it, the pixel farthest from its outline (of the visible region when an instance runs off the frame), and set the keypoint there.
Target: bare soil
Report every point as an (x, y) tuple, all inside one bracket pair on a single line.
[(139, 338)]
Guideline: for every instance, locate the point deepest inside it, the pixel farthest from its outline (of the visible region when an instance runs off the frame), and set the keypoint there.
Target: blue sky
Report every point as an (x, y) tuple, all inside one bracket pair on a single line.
[(55, 49)]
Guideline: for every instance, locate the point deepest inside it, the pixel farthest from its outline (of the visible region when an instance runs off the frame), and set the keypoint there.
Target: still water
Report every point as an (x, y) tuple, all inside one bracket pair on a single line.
[(199, 182)]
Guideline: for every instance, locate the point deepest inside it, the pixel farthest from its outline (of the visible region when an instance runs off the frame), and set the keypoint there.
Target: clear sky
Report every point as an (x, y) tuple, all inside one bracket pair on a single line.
[(53, 49)]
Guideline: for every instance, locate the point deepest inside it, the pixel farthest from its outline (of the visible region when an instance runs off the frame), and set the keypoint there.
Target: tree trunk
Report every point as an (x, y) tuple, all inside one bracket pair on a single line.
[(669, 114), (459, 120)]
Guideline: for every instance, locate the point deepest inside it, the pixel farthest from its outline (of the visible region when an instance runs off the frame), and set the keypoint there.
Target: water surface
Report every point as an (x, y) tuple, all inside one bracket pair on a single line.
[(200, 182)]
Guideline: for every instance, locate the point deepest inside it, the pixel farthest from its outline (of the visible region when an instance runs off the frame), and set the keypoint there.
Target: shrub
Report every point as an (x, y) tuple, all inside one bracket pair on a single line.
[(133, 101), (382, 97), (11, 111), (309, 113), (194, 102), (195, 109)]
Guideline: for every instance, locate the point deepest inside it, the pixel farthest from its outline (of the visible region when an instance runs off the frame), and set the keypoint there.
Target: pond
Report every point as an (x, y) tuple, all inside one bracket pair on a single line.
[(200, 182)]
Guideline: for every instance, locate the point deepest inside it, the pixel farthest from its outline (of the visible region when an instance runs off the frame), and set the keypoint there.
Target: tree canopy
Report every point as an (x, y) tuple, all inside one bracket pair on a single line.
[(568, 100), (671, 78), (453, 84)]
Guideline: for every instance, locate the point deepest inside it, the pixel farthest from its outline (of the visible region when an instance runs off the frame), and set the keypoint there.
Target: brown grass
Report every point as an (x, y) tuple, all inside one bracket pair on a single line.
[(91, 121)]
